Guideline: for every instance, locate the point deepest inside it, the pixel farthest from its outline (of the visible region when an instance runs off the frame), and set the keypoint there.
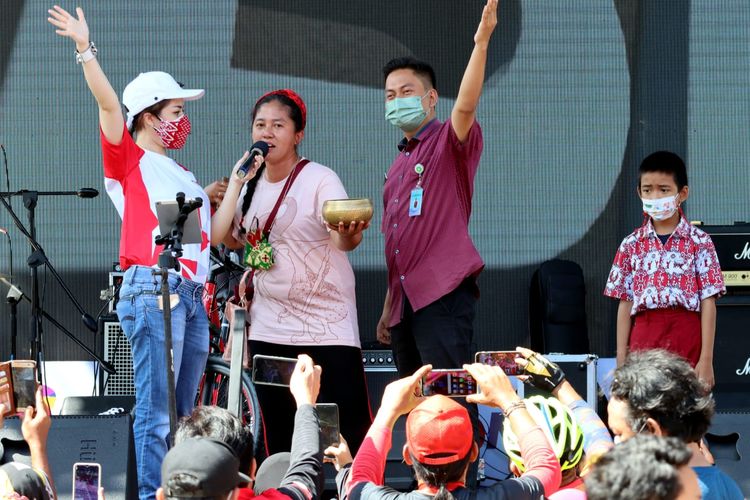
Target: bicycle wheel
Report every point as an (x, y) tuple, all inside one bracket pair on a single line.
[(214, 391)]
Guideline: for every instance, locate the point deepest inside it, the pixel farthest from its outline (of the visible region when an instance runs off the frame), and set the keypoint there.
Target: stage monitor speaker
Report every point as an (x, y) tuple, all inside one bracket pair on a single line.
[(380, 370), (97, 405), (106, 440), (729, 442), (117, 352), (580, 371), (732, 353)]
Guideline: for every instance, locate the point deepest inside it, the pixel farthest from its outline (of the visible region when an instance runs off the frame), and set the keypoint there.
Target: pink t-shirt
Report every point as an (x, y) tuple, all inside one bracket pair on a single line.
[(135, 180), (307, 297)]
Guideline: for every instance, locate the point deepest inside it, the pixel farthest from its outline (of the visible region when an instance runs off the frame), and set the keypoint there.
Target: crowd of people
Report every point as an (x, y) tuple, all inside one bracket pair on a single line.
[(665, 274), (659, 413)]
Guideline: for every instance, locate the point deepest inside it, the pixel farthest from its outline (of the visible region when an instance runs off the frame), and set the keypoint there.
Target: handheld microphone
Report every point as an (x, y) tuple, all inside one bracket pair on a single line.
[(259, 148), (87, 193)]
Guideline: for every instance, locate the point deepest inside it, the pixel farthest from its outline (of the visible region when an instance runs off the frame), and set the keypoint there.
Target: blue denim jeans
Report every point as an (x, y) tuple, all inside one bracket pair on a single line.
[(143, 323)]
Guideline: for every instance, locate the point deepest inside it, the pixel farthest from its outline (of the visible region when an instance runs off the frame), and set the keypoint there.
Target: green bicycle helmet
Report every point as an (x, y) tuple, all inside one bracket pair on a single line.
[(558, 424)]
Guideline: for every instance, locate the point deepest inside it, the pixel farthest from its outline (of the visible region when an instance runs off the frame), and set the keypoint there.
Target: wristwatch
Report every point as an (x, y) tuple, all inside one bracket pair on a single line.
[(86, 55)]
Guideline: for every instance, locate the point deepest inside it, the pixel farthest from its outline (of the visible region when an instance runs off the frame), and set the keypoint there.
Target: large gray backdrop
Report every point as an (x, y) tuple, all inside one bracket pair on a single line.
[(577, 93)]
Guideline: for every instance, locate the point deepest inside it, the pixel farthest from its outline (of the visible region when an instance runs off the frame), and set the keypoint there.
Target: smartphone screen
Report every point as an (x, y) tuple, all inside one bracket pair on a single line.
[(86, 481), (506, 360), (328, 417), (451, 383), (273, 370), (24, 383)]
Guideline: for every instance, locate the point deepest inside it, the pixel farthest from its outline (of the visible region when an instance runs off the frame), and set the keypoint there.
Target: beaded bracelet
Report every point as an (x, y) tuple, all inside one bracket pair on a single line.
[(513, 407)]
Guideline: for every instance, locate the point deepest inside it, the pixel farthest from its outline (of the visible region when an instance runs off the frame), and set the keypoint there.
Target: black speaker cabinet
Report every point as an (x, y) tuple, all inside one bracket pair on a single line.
[(379, 372), (729, 442), (732, 353), (107, 440)]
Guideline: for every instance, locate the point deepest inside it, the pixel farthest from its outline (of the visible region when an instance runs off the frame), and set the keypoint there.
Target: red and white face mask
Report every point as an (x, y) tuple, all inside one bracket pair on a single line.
[(174, 134)]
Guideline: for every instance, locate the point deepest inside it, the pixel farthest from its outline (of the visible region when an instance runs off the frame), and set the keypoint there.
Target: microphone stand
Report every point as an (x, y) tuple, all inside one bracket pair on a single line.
[(13, 297), (168, 259), (37, 258)]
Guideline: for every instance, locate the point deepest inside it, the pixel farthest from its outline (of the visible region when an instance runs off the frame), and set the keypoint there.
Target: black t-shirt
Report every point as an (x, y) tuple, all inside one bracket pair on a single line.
[(663, 238)]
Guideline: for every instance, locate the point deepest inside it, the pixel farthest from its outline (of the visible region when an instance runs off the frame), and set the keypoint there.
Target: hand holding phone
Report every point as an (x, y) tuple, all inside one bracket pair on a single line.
[(506, 360), (305, 381), (36, 422), (86, 481), (451, 383), (338, 455), (495, 386)]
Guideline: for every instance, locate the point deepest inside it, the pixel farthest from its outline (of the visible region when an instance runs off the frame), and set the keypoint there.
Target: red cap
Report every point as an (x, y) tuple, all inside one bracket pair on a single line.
[(294, 96), (439, 431)]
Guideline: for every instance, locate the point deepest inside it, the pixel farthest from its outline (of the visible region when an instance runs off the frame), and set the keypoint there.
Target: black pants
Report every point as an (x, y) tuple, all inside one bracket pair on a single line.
[(439, 334), (342, 382)]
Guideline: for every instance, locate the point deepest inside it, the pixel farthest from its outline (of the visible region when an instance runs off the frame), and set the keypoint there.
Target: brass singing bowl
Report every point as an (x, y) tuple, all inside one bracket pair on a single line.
[(347, 211)]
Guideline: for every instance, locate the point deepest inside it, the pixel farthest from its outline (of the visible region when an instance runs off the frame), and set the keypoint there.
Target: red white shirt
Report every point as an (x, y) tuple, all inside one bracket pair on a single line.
[(135, 180), (680, 273)]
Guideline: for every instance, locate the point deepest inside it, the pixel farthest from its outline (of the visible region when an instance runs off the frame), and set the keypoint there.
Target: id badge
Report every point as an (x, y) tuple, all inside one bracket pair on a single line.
[(415, 202)]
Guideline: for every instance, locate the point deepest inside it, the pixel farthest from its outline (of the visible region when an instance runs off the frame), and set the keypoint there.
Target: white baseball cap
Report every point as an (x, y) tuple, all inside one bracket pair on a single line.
[(149, 88)]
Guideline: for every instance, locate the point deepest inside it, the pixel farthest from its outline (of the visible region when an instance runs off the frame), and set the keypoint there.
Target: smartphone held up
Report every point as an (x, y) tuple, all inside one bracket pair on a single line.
[(273, 370), (451, 383), (18, 385), (328, 418), (86, 480), (505, 360)]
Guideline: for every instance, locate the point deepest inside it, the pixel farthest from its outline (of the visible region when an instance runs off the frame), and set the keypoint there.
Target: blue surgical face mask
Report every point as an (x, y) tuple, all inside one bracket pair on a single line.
[(405, 113)]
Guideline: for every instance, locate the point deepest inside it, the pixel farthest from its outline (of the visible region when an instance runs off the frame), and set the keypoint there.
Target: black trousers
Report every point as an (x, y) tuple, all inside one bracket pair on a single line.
[(439, 334), (342, 382)]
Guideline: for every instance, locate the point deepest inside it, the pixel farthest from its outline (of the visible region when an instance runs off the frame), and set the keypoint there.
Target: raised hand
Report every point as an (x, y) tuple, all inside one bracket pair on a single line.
[(539, 371), (496, 389), (68, 26), (305, 382), (338, 455), (487, 24), (401, 397), (36, 423)]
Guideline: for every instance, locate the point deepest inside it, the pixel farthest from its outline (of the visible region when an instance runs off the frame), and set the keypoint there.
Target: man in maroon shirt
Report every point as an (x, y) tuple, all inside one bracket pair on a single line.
[(432, 263)]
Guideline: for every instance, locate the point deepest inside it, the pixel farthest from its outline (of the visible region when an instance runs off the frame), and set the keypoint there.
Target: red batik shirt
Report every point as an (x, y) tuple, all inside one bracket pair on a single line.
[(680, 273)]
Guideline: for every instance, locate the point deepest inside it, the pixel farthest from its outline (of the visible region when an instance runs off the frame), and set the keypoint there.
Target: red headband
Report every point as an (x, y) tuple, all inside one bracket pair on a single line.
[(295, 98)]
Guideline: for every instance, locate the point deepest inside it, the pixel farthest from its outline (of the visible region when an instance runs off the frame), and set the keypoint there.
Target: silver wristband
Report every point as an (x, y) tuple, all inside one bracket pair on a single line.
[(86, 55)]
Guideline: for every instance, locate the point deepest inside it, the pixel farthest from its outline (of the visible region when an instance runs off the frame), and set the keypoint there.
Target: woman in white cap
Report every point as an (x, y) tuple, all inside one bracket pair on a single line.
[(138, 173)]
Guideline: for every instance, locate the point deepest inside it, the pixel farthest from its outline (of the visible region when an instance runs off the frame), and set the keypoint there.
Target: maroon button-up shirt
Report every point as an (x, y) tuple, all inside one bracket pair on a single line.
[(429, 255)]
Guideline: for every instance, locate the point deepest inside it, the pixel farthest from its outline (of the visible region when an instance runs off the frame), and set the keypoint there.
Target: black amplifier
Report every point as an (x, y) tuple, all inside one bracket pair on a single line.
[(378, 360), (733, 248)]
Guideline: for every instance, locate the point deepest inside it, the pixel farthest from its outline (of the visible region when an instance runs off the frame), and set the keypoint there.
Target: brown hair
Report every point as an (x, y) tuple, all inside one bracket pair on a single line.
[(154, 109)]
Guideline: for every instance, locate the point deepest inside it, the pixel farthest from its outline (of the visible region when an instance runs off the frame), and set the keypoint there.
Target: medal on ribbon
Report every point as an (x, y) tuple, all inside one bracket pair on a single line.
[(258, 250)]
